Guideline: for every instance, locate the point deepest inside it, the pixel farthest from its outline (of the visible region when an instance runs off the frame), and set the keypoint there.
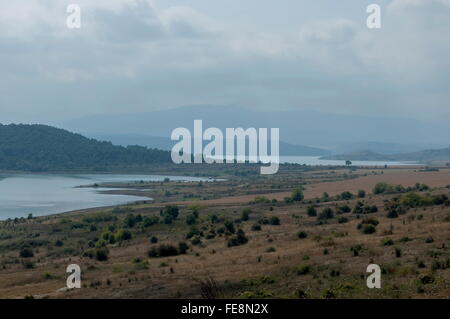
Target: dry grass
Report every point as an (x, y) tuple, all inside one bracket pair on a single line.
[(213, 270)]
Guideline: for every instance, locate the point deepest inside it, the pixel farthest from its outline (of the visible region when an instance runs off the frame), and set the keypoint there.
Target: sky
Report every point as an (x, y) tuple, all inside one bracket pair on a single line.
[(142, 55)]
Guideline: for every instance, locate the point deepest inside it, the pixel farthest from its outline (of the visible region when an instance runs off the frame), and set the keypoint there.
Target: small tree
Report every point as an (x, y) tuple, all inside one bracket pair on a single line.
[(327, 213), (297, 195), (245, 214), (311, 211)]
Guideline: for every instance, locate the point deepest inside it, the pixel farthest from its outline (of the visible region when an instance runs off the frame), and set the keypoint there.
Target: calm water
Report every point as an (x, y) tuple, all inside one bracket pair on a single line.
[(49, 194)]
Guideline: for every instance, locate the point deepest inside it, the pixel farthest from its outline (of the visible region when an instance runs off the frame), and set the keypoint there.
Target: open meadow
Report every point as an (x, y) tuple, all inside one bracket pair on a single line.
[(307, 232)]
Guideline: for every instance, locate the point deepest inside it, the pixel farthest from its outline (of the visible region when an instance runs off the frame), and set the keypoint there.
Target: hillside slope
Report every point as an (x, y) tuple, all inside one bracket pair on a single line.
[(45, 148)]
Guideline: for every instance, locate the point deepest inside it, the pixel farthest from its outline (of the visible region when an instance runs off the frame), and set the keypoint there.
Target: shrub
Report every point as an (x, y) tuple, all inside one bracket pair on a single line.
[(26, 253), (367, 226), (238, 239), (191, 219), (165, 250), (182, 248), (194, 231), (327, 213), (150, 221), (387, 242), (130, 221), (196, 240), (229, 226), (346, 196), (123, 234), (108, 237), (101, 254), (303, 270), (261, 200), (256, 227), (384, 188), (59, 243), (297, 195), (311, 211), (392, 214), (153, 239), (302, 234), (245, 214), (344, 209), (274, 220), (369, 229), (356, 249), (342, 220), (414, 200), (169, 214)]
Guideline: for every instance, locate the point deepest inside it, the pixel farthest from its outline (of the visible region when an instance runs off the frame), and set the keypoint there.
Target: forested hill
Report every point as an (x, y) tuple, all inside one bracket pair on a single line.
[(44, 148)]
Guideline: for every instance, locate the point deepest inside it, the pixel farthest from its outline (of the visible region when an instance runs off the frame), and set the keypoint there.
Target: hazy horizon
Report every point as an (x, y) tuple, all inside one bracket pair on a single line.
[(139, 56)]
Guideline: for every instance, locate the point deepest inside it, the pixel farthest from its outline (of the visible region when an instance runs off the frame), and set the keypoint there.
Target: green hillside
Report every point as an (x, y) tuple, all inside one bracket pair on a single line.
[(41, 148)]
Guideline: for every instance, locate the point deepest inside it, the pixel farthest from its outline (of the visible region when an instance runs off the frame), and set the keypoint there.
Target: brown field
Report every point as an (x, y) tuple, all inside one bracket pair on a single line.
[(274, 263)]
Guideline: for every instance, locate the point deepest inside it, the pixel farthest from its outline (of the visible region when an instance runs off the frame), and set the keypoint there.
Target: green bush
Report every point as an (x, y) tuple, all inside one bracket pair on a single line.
[(369, 229), (297, 195), (169, 214), (102, 254), (122, 235), (165, 250), (311, 211), (153, 239), (245, 214), (344, 209), (191, 219), (150, 221), (256, 227), (274, 220), (303, 270), (302, 234), (26, 253), (229, 226), (327, 213), (345, 196), (238, 239), (342, 220)]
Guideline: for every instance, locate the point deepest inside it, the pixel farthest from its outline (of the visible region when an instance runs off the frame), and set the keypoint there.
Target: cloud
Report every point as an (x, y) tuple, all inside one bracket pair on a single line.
[(155, 55)]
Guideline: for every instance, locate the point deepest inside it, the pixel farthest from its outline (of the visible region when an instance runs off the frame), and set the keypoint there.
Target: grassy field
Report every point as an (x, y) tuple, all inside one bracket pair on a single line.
[(303, 233)]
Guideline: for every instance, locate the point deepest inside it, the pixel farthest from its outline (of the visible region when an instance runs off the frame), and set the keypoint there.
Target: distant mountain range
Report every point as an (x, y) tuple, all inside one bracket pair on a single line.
[(165, 143), (339, 133), (45, 148), (426, 156)]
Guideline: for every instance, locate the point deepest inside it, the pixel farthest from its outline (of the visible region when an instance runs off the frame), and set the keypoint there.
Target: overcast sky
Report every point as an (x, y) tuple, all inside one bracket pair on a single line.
[(143, 55)]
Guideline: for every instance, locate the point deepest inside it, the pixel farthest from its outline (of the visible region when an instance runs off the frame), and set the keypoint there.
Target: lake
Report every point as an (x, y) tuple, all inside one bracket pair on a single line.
[(45, 194)]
